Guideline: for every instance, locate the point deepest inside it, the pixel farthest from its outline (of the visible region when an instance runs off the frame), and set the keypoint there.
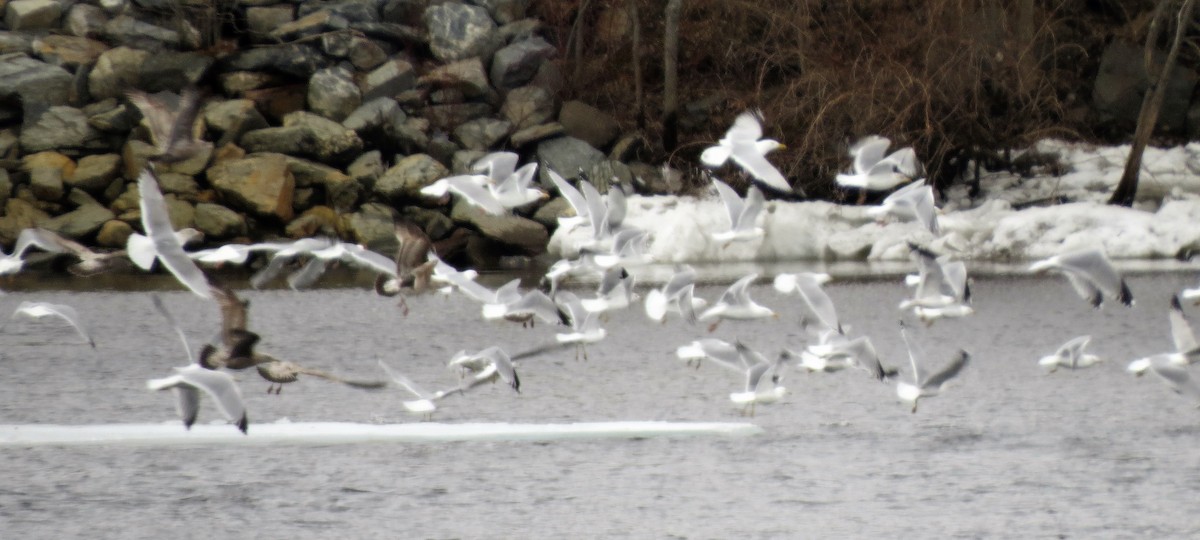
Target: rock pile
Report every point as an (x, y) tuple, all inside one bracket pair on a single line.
[(326, 117)]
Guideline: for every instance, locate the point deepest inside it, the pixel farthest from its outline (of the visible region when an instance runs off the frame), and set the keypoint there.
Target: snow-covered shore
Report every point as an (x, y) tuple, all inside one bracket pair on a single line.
[(999, 225)]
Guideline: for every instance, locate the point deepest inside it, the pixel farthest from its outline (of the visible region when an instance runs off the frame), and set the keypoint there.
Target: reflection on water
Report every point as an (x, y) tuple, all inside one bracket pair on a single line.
[(1005, 451)]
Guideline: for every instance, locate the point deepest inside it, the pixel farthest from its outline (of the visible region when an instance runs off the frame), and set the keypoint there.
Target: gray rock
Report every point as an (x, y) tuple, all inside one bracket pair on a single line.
[(466, 76), (308, 25), (260, 183), (1121, 82), (654, 180), (233, 118), (46, 172), (298, 60), (373, 225), (391, 78), (80, 222), (442, 148), (178, 184), (32, 81), (167, 70), (380, 115), (435, 224), (216, 221), (114, 234), (464, 159), (110, 116), (59, 127), (516, 231), (392, 33), (528, 106), (304, 133), (10, 144), (406, 178), (567, 156), (534, 134), (69, 52), (504, 11), (352, 11), (79, 197), (588, 123), (516, 64), (403, 11), (181, 213), (116, 71), (366, 169), (85, 20), (449, 116), (412, 136), (15, 42), (260, 21), (25, 15), (94, 173), (333, 94), (458, 31), (237, 83), (338, 189), (549, 76), (362, 52), (607, 172), (130, 31), (548, 214), (482, 133), (318, 220), (18, 216)]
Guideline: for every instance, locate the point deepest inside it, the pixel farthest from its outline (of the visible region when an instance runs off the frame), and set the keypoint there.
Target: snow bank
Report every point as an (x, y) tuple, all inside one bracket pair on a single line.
[(323, 433), (1002, 224)]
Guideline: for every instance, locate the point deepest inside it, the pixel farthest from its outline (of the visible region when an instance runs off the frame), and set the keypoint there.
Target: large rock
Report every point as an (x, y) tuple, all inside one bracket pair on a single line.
[(116, 71), (458, 31), (68, 51), (391, 78), (261, 20), (373, 225), (504, 11), (516, 64), (297, 60), (588, 123), (1122, 81), (233, 118), (57, 128), (523, 233), (46, 173), (173, 71), (366, 169), (94, 173), (260, 183), (339, 189), (309, 25), (482, 133), (19, 215), (80, 222), (528, 106), (451, 115), (114, 234), (379, 116), (29, 15), (85, 20), (130, 31), (304, 133), (333, 94), (216, 221), (32, 81), (567, 156), (466, 76), (181, 213), (406, 178)]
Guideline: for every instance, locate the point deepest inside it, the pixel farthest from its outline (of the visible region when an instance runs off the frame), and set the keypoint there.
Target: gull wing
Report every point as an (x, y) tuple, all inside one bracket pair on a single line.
[(816, 302), (308, 274), (1073, 349), (1181, 331), (1085, 288), (597, 209), (497, 165), (414, 247), (757, 166), (504, 366), (576, 199), (868, 151), (157, 225), (746, 127), (719, 352), (233, 313), (159, 116), (470, 190), (1176, 376), (1094, 266), (949, 372), (733, 203), (914, 350), (751, 208), (862, 353), (219, 385), (615, 201), (404, 381), (62, 311), (736, 293), (162, 308)]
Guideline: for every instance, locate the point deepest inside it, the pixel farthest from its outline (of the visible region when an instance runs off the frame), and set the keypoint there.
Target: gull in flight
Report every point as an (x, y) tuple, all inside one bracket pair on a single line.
[(424, 404), (585, 325), (815, 304), (614, 292), (488, 365), (414, 265), (677, 296), (913, 202), (90, 262), (926, 386), (743, 214), (170, 120), (12, 263), (1186, 350), (165, 243), (743, 143), (1090, 273), (735, 303), (942, 288), (873, 171), (717, 351), (38, 310), (189, 381), (840, 353), (1070, 355), (762, 379), (511, 186)]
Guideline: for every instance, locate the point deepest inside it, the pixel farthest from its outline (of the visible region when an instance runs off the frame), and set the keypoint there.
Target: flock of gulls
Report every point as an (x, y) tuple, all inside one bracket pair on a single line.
[(939, 289)]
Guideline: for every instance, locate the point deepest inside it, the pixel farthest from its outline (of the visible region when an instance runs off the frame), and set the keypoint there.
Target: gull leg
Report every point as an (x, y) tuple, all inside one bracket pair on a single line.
[(713, 327), (403, 305)]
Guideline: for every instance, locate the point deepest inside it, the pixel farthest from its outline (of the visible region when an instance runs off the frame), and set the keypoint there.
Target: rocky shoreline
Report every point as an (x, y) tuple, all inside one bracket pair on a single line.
[(326, 118)]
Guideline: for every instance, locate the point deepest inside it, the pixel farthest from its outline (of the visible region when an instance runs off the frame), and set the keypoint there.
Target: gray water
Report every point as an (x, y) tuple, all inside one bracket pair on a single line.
[(1004, 452)]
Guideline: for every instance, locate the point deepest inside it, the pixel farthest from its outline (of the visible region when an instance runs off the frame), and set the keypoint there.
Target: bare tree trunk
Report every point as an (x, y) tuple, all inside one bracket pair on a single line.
[(1151, 105), (670, 137), (574, 44), (635, 52)]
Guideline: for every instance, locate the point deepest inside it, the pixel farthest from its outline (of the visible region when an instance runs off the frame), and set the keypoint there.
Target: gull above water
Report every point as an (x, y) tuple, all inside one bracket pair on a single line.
[(1091, 274), (913, 202), (38, 310), (743, 143), (735, 303), (743, 214), (1069, 355), (167, 247), (922, 385)]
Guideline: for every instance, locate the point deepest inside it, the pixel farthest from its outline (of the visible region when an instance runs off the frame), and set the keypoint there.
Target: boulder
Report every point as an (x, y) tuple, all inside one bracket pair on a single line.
[(366, 169), (6, 187), (391, 78), (68, 51), (304, 133), (116, 71), (114, 234), (308, 25), (169, 70), (318, 220), (233, 118), (504, 11), (482, 133), (537, 133), (516, 64), (80, 222), (516, 231), (217, 221), (26, 15), (333, 94), (85, 20), (19, 215), (94, 173), (33, 81), (260, 183), (458, 31), (47, 170), (110, 116), (298, 60), (435, 224), (381, 115), (588, 123), (57, 128), (406, 178), (567, 156), (261, 20), (528, 106), (466, 76), (339, 190), (548, 214), (178, 184), (449, 116), (181, 212), (128, 30), (373, 226)]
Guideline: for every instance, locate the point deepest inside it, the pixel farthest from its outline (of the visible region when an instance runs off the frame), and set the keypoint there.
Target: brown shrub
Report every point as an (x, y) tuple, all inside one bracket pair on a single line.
[(952, 78)]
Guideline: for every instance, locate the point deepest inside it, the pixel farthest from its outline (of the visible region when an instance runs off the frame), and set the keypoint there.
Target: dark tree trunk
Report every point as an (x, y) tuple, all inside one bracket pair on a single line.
[(670, 135)]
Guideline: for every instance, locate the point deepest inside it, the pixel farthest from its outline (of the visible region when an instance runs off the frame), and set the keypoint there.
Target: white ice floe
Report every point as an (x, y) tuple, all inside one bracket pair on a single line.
[(1003, 223)]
